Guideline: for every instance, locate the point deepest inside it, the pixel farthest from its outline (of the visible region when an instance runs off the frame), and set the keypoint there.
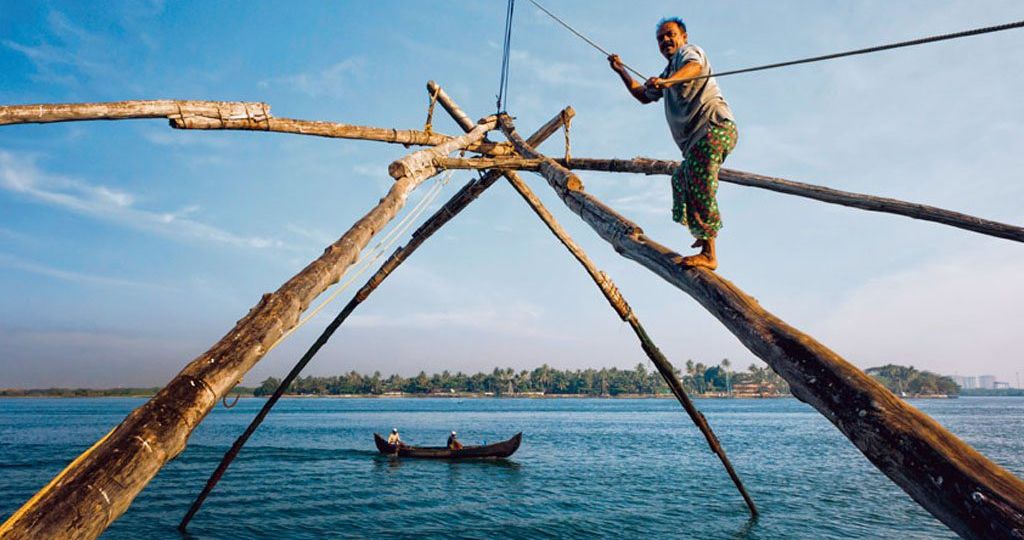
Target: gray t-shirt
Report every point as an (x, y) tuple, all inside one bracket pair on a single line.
[(690, 108)]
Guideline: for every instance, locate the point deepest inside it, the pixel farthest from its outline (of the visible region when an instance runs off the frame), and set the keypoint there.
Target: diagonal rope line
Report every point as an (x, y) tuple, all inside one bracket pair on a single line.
[(372, 255), (885, 47), (868, 50), (584, 38)]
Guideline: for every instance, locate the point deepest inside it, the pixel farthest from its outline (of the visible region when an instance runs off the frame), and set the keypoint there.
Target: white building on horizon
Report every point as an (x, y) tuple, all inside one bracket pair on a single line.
[(966, 382)]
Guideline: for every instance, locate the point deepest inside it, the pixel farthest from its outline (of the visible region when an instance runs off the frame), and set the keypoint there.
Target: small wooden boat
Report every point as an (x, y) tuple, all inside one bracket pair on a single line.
[(497, 450)]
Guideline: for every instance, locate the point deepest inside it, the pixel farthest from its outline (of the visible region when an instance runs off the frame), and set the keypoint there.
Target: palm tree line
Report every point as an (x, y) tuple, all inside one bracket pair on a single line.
[(698, 378)]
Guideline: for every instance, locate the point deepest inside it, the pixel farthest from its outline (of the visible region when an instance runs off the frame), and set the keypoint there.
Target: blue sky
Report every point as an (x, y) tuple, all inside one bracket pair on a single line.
[(127, 248)]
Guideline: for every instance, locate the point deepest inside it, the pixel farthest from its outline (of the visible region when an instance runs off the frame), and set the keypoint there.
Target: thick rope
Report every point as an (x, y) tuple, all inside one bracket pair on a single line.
[(877, 48), (428, 125), (584, 38), (506, 51), (566, 121)]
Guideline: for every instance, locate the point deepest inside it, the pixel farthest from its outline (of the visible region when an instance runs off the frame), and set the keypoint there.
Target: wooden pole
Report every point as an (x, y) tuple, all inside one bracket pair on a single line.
[(460, 117), (779, 185), (255, 116), (456, 204), (607, 287), (962, 488), (231, 115), (626, 313), (100, 484)]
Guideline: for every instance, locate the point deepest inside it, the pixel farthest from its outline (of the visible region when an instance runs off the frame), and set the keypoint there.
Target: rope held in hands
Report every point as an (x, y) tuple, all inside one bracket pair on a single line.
[(877, 48)]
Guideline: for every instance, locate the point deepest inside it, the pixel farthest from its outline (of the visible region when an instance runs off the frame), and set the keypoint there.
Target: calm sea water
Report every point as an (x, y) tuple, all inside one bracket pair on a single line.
[(587, 468)]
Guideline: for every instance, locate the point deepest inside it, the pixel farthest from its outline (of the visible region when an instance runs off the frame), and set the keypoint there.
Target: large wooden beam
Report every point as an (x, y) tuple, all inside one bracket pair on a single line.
[(962, 488), (100, 484), (449, 210), (230, 115), (780, 185), (615, 299), (603, 282)]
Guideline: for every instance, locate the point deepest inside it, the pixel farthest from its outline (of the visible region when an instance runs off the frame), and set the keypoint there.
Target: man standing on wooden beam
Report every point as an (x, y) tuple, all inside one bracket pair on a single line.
[(702, 126)]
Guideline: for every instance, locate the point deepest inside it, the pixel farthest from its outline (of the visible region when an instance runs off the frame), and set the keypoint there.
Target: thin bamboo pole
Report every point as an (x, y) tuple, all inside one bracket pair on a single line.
[(610, 292), (780, 185), (962, 488), (626, 313), (449, 210), (229, 115), (99, 485)]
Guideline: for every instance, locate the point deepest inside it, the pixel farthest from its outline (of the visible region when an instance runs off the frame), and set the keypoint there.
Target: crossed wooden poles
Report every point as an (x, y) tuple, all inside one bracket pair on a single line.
[(972, 495)]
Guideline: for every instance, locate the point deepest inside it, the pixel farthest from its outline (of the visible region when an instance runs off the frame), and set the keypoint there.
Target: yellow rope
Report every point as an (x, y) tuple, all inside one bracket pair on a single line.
[(373, 255)]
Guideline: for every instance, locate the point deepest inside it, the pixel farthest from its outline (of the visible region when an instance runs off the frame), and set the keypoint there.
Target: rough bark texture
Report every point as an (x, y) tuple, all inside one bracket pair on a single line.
[(99, 485), (460, 117), (962, 488), (233, 115), (780, 185), (626, 313), (456, 204)]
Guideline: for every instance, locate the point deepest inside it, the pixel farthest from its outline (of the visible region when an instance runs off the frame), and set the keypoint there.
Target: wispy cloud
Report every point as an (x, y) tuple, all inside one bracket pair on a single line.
[(17, 263), (66, 52), (332, 81), (316, 236), (21, 175)]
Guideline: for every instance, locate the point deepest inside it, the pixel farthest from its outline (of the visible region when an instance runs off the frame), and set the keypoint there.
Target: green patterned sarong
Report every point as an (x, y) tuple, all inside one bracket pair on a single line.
[(695, 182)]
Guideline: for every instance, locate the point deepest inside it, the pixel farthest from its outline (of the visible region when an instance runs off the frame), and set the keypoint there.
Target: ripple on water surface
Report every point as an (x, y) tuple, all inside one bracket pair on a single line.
[(587, 468)]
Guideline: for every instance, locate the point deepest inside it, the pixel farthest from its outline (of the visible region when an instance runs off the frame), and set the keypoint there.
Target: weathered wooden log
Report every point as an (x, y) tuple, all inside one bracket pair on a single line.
[(99, 485), (820, 193), (231, 115), (972, 495), (457, 114), (605, 284), (626, 313), (456, 204), (189, 113)]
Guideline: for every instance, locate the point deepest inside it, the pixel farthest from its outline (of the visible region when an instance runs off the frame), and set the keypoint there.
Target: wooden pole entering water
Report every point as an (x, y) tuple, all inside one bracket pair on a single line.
[(972, 495), (614, 298), (626, 313), (100, 484), (456, 204)]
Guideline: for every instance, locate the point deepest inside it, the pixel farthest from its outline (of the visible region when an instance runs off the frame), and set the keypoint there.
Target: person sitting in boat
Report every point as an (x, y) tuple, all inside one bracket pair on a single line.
[(453, 442), (394, 439)]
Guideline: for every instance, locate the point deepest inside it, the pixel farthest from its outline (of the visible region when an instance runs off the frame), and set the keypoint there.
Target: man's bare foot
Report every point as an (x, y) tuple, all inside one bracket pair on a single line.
[(705, 259), (700, 260)]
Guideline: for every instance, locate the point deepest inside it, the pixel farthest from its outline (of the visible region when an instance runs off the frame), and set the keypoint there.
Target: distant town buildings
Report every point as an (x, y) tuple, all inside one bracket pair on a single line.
[(983, 382), (966, 382)]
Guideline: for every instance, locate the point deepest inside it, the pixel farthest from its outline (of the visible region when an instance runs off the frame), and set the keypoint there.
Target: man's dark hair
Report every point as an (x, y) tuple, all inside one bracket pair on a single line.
[(676, 20)]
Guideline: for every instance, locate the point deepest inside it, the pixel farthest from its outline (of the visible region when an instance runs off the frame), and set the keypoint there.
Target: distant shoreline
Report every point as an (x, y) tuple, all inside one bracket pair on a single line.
[(12, 393), (30, 394)]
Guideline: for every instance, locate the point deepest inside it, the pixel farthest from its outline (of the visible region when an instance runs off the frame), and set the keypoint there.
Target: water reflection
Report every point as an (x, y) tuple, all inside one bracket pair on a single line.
[(382, 462), (746, 530)]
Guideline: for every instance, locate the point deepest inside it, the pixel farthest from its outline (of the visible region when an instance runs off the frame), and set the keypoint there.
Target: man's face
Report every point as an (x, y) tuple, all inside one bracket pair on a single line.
[(670, 38)]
